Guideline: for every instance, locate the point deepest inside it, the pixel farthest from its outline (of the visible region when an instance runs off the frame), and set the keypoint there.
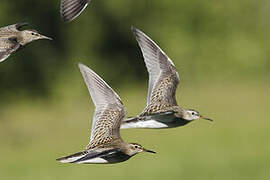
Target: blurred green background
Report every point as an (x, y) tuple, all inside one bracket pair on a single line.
[(220, 48)]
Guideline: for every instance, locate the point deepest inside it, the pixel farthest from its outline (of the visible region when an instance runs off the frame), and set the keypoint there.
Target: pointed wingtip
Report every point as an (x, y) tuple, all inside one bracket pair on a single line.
[(85, 69), (71, 158), (134, 30), (138, 33), (82, 66), (21, 24), (59, 159), (62, 160)]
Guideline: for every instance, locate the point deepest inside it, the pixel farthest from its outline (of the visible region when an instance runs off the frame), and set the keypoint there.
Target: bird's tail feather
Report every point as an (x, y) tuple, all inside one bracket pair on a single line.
[(72, 158)]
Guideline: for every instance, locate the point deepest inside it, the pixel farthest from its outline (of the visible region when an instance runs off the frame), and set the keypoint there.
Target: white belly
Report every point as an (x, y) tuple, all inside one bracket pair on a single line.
[(93, 161), (144, 124)]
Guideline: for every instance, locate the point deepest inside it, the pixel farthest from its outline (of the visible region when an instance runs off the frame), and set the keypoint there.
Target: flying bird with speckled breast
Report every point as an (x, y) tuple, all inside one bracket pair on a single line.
[(162, 110), (106, 145), (13, 38)]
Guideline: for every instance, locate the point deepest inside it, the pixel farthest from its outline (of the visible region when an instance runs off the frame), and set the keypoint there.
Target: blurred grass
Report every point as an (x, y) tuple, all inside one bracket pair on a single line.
[(220, 48), (33, 133)]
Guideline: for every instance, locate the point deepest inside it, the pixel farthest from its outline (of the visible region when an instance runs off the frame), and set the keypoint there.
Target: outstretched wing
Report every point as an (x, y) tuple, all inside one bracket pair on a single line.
[(3, 56), (7, 46), (70, 9), (12, 28), (109, 108), (163, 77)]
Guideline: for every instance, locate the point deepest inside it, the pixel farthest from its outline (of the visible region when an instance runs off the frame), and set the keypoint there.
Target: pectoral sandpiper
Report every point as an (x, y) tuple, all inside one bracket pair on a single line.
[(12, 38), (162, 110), (106, 144)]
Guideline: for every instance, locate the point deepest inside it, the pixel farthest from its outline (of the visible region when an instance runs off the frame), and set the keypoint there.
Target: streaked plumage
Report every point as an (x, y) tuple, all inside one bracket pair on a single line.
[(162, 110), (106, 144), (70, 9), (12, 38)]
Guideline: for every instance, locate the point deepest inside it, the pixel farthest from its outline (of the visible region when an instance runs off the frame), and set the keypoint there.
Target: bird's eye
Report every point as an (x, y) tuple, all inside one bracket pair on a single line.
[(193, 113), (32, 33), (136, 147)]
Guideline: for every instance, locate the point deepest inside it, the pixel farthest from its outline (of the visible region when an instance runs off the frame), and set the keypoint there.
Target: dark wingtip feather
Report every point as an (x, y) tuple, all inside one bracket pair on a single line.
[(70, 158), (134, 30), (70, 9), (138, 33), (20, 25)]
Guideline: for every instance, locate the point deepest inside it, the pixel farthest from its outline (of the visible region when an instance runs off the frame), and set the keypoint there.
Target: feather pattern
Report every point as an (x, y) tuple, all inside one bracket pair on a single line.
[(106, 145), (162, 110), (11, 29), (109, 109), (12, 38), (70, 9), (163, 77), (7, 46)]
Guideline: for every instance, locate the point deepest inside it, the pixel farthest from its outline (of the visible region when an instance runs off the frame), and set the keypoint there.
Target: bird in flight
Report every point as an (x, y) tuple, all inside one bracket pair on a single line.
[(106, 145), (162, 110), (13, 38)]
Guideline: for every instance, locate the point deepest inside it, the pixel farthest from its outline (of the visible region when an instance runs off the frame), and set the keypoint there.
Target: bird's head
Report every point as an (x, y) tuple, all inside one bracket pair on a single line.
[(191, 115), (31, 35), (134, 148)]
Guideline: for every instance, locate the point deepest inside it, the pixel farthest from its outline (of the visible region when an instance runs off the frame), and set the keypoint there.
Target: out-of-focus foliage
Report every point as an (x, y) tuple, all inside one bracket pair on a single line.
[(221, 40), (220, 48)]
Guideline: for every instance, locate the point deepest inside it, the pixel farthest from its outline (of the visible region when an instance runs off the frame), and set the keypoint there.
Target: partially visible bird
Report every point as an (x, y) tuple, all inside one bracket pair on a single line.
[(12, 38), (106, 144), (70, 9), (162, 110)]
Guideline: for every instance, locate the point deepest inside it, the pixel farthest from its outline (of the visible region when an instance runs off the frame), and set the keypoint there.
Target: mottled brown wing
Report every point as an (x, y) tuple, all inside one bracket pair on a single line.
[(11, 28), (163, 77), (70, 9), (109, 108), (7, 46)]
